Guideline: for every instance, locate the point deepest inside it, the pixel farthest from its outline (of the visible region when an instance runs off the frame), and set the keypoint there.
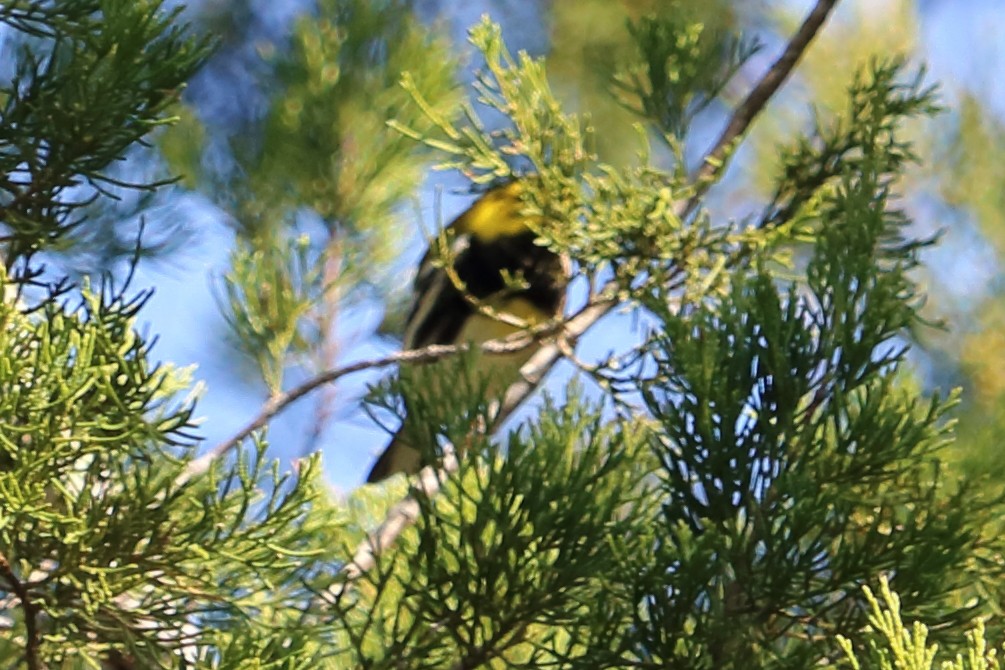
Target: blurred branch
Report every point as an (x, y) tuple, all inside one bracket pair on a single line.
[(279, 402), (715, 161)]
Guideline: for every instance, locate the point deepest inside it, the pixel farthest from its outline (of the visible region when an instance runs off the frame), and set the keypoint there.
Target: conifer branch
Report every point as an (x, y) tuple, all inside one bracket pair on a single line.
[(711, 168)]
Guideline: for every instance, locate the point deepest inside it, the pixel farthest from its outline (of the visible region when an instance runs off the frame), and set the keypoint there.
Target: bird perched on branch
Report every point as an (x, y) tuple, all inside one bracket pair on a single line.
[(496, 277)]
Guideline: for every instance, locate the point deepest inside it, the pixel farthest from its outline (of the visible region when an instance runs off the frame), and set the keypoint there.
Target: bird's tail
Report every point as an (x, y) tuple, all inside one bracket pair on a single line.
[(397, 457)]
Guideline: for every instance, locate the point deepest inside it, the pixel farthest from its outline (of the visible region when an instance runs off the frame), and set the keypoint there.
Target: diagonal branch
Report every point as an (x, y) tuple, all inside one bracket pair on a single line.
[(711, 169), (715, 160), (278, 403)]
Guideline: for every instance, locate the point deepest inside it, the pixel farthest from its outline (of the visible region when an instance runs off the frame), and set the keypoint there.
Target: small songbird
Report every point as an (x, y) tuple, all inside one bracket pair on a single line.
[(498, 263)]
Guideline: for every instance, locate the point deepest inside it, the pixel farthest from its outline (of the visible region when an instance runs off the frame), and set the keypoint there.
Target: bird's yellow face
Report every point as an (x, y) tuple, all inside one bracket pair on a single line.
[(497, 214)]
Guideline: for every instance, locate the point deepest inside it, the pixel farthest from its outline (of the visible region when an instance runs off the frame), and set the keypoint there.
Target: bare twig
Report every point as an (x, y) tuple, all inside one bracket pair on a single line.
[(32, 637), (279, 402)]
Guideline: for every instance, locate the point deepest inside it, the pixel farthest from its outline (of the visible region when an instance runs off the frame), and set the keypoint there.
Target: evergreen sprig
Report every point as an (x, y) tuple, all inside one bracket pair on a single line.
[(681, 67), (92, 79), (881, 97), (101, 549), (504, 564)]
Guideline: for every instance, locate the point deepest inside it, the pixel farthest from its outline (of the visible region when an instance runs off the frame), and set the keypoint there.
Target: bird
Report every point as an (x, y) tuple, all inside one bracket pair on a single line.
[(497, 259)]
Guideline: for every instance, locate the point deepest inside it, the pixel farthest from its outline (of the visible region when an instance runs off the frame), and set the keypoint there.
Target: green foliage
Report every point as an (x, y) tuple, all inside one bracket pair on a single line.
[(893, 646), (551, 141), (504, 565), (681, 68), (269, 292), (600, 68), (102, 542), (326, 139), (754, 461), (878, 101), (793, 466), (93, 77)]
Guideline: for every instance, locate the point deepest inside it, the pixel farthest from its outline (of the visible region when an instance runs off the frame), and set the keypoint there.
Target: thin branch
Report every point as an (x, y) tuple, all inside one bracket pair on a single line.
[(715, 161), (32, 638), (278, 403)]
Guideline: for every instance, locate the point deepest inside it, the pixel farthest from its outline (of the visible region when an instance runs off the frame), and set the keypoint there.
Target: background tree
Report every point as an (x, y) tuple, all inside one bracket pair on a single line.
[(738, 475)]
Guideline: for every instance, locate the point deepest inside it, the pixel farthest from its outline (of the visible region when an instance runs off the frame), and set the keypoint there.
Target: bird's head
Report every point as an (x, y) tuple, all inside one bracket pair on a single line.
[(498, 213)]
